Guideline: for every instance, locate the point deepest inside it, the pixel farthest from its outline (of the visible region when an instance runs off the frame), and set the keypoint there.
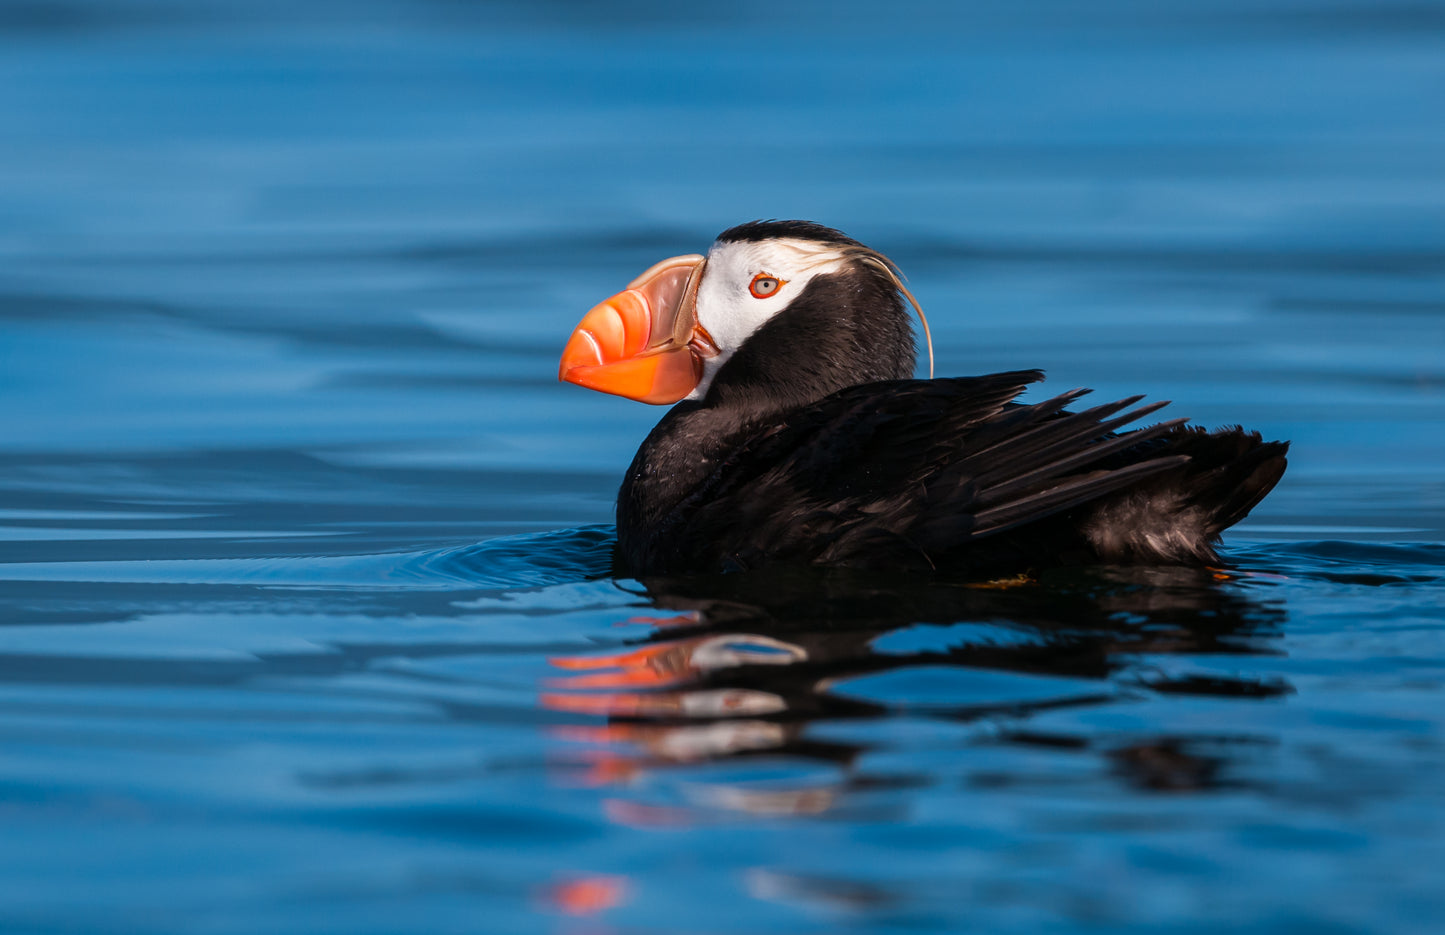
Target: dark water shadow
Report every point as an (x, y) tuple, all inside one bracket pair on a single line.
[(748, 666)]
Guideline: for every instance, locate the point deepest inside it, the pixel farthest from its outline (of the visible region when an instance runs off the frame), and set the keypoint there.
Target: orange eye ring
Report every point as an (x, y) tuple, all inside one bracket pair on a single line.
[(766, 285)]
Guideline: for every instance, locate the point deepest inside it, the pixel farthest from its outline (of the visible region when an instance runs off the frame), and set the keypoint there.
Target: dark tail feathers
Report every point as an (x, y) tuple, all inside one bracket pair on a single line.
[(1230, 471)]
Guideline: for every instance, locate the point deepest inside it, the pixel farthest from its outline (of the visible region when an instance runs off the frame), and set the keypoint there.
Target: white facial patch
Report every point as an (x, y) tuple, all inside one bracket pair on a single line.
[(726, 306)]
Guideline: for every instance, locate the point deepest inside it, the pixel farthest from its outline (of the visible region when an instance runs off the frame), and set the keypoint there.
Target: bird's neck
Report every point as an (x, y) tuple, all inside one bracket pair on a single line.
[(842, 330)]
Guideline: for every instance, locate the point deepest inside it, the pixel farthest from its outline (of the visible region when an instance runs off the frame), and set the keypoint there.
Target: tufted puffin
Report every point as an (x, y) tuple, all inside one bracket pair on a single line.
[(799, 436)]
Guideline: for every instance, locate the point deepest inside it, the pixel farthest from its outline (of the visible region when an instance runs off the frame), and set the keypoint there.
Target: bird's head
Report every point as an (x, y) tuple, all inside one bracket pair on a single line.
[(787, 307)]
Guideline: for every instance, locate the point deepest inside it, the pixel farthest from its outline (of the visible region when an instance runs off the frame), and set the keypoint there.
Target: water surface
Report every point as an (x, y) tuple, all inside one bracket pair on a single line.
[(308, 617)]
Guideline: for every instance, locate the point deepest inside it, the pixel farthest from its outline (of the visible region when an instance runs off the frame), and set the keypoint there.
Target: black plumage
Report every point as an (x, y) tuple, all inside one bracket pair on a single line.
[(812, 446), (754, 231)]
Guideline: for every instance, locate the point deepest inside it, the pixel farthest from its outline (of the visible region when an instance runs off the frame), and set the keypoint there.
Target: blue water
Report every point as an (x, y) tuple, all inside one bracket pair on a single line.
[(304, 583)]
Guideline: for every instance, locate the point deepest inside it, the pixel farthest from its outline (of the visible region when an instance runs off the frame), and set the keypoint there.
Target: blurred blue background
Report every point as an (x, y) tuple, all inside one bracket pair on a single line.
[(282, 287)]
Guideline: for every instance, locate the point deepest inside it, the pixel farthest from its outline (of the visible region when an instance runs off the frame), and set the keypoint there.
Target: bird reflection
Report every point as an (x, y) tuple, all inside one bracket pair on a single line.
[(741, 666)]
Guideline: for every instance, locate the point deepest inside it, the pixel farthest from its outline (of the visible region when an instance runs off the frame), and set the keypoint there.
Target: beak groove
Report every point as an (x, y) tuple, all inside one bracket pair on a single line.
[(644, 342)]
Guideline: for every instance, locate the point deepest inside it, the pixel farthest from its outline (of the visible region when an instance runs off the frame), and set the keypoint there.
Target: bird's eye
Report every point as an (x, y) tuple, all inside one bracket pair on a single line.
[(764, 286)]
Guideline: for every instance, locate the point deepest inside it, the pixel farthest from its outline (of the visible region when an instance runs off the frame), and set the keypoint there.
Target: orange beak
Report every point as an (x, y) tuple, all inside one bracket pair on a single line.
[(645, 342)]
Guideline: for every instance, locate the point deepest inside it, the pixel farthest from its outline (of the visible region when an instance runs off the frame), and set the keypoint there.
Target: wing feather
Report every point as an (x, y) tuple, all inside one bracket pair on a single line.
[(918, 468)]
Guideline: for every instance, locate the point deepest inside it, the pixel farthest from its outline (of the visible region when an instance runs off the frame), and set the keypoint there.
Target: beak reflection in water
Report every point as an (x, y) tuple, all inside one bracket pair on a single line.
[(783, 671)]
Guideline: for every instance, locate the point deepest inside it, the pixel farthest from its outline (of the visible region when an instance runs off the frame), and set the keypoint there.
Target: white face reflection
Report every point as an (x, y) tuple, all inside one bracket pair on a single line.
[(747, 283)]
